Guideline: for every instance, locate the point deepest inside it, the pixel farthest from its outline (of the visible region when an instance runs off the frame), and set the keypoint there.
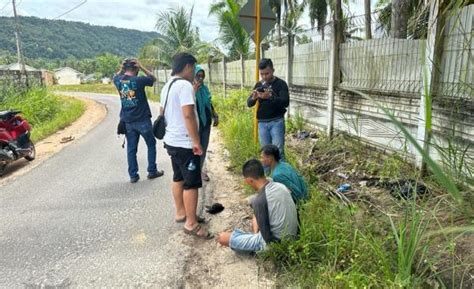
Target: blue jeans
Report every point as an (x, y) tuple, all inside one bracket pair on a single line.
[(273, 132), (134, 131)]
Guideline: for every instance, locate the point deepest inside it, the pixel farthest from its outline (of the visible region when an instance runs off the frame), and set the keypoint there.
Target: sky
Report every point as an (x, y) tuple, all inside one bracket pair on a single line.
[(133, 14)]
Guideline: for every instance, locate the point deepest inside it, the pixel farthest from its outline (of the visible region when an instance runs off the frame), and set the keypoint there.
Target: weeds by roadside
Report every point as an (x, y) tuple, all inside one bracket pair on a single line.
[(46, 112), (100, 88), (378, 239)]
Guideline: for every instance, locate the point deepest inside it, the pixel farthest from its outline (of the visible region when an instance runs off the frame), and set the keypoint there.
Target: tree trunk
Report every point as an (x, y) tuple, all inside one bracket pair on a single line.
[(242, 71), (399, 23), (368, 20)]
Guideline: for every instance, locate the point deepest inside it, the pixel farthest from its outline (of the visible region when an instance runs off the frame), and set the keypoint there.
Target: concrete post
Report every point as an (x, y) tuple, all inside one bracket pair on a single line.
[(334, 68), (224, 77)]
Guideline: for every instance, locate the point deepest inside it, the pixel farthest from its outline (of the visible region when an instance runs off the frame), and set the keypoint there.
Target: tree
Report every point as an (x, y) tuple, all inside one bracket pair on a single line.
[(399, 22), (177, 35), (231, 33), (318, 13), (276, 7), (108, 64), (368, 19)]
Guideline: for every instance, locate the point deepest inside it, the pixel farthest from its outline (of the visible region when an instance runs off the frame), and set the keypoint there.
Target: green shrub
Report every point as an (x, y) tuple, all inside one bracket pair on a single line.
[(237, 126), (46, 112)]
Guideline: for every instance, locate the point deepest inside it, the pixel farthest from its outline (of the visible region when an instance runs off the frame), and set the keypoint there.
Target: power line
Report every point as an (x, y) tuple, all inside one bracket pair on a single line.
[(5, 6), (70, 10)]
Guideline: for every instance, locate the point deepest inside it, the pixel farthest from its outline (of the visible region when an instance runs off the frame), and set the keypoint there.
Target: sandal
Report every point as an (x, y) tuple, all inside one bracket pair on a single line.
[(195, 232), (199, 219), (205, 177)]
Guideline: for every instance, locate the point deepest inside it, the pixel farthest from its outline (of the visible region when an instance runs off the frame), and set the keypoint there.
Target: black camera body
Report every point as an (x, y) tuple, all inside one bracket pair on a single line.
[(262, 87)]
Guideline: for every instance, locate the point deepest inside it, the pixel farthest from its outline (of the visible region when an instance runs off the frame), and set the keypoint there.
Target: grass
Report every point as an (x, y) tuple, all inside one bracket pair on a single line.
[(376, 241), (46, 112), (99, 88)]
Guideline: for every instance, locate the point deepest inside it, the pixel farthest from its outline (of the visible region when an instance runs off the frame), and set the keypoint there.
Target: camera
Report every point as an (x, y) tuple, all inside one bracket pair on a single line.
[(260, 89)]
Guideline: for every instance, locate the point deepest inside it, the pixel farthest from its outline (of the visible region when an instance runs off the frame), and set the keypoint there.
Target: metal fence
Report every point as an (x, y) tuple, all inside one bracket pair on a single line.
[(392, 65)]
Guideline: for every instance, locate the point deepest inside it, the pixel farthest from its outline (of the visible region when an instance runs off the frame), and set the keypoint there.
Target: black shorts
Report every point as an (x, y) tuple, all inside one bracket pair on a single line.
[(186, 167)]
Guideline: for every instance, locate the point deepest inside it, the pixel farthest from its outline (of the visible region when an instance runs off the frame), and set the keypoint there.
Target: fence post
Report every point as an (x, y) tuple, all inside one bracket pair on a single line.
[(224, 77), (209, 77), (430, 74), (289, 64), (334, 69)]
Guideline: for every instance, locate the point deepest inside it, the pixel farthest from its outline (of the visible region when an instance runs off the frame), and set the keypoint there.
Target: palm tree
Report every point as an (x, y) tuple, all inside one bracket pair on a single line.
[(231, 33), (368, 19), (399, 22), (276, 7), (318, 13), (176, 35), (414, 24)]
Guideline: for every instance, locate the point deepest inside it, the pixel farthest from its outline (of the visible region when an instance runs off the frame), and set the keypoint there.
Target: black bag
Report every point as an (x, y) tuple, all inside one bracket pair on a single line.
[(159, 125), (121, 128)]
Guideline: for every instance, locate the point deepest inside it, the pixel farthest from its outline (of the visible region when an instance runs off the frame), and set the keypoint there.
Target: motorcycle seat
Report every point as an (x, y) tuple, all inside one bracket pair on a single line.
[(7, 114)]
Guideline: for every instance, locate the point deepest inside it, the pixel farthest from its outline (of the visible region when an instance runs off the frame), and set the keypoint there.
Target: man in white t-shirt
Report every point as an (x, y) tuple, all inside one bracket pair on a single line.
[(182, 142)]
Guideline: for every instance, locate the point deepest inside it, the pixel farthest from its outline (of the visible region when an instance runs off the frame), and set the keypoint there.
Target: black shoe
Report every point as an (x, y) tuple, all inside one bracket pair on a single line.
[(155, 175), (135, 179)]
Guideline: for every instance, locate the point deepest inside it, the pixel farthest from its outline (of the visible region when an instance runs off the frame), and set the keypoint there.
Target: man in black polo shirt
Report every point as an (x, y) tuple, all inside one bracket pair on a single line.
[(272, 94)]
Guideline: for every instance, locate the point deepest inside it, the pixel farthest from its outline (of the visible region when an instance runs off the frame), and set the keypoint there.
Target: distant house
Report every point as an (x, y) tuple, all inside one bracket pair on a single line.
[(68, 76), (17, 67), (90, 78)]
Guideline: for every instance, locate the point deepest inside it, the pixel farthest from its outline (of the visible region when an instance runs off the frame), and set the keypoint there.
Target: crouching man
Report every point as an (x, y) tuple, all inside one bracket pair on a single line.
[(275, 215)]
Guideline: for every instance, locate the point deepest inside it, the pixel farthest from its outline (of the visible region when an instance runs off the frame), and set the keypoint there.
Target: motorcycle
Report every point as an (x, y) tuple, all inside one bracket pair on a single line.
[(15, 142)]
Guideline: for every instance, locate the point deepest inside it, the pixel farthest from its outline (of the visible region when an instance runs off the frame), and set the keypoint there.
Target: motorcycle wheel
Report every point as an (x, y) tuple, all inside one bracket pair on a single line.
[(32, 154)]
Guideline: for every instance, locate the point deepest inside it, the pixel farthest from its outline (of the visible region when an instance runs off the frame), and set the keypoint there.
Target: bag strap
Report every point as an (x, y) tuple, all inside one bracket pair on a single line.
[(168, 93)]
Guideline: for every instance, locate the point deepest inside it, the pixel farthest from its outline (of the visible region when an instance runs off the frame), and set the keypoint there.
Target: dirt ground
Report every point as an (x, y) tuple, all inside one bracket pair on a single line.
[(213, 266), (51, 145)]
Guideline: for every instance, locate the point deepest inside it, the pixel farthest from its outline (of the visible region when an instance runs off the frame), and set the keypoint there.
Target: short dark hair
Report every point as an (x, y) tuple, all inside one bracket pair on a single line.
[(253, 169), (265, 63), (271, 150), (179, 62)]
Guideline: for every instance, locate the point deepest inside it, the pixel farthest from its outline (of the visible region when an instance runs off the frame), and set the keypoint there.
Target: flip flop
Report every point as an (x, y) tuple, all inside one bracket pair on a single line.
[(194, 232), (199, 219)]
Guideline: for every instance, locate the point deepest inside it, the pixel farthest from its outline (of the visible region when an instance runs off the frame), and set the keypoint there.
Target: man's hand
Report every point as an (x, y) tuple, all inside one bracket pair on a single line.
[(197, 149), (196, 85), (264, 95), (255, 95)]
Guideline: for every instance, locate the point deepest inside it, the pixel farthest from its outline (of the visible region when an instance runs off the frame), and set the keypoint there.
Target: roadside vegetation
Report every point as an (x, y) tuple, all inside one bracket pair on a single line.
[(392, 229), (98, 88), (45, 111)]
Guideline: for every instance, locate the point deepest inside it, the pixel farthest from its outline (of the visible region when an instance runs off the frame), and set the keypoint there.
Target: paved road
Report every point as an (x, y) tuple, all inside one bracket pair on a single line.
[(76, 221)]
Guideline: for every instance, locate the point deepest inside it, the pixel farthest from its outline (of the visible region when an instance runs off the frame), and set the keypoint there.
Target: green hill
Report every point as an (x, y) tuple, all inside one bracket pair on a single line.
[(59, 39)]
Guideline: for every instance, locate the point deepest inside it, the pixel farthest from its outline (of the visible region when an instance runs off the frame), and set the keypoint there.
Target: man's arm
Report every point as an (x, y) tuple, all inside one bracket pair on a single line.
[(252, 100), (146, 71), (192, 127), (280, 98), (260, 207)]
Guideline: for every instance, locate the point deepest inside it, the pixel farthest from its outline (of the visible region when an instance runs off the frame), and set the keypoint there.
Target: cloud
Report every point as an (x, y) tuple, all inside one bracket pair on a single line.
[(138, 14)]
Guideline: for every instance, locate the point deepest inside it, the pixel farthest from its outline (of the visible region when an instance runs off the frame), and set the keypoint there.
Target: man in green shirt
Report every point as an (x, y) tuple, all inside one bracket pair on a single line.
[(284, 173)]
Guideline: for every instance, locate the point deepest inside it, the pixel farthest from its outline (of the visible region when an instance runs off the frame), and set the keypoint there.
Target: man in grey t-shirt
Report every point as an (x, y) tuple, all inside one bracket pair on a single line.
[(275, 213)]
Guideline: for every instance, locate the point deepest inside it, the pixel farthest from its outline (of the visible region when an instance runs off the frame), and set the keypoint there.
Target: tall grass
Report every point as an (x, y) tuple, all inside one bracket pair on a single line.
[(46, 112), (236, 119), (340, 246)]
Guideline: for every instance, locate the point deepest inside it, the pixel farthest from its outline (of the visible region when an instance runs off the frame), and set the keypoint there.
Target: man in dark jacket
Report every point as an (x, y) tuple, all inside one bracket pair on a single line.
[(273, 97)]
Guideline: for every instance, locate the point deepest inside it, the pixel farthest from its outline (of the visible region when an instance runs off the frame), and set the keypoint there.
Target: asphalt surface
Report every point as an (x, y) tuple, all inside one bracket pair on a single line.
[(76, 221)]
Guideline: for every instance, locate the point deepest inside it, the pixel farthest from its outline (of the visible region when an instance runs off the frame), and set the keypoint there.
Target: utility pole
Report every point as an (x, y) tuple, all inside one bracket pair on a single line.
[(18, 44)]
